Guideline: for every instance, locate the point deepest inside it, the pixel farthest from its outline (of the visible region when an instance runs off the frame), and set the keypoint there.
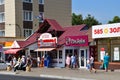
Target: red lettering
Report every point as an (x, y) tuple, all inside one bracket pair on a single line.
[(98, 31), (115, 30)]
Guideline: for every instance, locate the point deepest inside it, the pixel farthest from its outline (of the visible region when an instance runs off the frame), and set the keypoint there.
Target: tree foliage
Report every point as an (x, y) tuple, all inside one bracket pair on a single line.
[(89, 20), (116, 19), (77, 19)]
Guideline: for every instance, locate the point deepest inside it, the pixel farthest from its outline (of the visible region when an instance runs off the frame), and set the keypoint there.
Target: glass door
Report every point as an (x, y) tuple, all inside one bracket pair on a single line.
[(82, 58)]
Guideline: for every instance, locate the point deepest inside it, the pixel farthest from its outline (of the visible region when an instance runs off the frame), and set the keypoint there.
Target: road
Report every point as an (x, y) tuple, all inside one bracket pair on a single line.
[(14, 77)]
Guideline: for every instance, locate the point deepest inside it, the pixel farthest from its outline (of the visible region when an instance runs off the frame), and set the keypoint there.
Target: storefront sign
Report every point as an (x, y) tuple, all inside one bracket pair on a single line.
[(76, 40), (47, 40), (104, 31)]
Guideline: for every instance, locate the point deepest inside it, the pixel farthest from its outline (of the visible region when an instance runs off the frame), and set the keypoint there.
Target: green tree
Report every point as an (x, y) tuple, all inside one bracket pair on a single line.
[(116, 19), (77, 19), (90, 21)]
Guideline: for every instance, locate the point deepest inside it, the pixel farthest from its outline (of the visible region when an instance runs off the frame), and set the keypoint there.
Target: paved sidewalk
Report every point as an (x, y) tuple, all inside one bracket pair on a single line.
[(73, 74)]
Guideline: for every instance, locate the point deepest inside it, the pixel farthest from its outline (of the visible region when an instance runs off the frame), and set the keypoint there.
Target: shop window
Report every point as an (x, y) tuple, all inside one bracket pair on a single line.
[(115, 53), (53, 54), (68, 52), (103, 41), (33, 54), (100, 52)]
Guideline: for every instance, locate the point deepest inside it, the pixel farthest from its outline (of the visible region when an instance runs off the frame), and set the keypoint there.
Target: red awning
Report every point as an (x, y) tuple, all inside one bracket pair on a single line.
[(12, 51)]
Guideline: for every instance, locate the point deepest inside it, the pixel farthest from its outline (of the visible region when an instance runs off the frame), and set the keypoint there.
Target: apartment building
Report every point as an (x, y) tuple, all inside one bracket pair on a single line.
[(20, 18)]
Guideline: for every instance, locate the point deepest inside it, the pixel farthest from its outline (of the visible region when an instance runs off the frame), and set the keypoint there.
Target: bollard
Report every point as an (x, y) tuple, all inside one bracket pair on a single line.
[(9, 68), (28, 69)]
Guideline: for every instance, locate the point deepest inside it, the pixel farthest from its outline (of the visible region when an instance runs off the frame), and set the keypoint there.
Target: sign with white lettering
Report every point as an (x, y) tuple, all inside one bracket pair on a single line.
[(76, 40)]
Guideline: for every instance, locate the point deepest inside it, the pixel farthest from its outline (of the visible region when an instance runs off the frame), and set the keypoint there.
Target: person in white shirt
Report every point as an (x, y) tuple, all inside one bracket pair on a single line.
[(92, 64), (38, 61)]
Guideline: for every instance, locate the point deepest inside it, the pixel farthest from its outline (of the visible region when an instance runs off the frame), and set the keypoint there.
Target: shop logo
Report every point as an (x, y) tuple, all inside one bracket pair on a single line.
[(106, 30)]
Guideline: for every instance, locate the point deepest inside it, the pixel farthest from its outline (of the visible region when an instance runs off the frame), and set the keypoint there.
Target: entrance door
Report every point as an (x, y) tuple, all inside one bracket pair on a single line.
[(82, 58)]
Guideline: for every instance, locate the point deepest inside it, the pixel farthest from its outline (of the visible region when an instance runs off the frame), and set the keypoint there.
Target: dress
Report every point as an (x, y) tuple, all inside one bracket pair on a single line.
[(68, 60)]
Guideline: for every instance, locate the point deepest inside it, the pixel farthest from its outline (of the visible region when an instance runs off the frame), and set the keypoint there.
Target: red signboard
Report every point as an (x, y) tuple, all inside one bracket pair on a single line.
[(76, 40), (46, 40)]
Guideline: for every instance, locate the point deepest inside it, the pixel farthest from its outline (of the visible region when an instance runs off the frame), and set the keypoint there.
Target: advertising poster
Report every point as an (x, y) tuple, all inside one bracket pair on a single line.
[(102, 54), (116, 53)]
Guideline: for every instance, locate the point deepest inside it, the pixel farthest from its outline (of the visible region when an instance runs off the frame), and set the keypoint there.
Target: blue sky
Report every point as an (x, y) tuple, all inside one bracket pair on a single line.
[(102, 10)]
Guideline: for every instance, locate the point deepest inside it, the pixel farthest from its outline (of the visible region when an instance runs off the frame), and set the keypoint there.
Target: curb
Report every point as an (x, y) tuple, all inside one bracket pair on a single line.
[(63, 77), (9, 73)]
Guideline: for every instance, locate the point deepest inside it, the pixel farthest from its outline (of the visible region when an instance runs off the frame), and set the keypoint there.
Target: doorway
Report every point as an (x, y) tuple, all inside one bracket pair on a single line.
[(82, 58)]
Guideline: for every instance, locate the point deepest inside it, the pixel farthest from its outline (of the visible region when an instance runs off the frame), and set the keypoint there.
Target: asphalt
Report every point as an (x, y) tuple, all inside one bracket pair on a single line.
[(64, 73)]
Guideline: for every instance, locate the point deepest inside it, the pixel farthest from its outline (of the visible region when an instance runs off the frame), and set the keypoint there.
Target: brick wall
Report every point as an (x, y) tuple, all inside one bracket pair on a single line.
[(112, 65)]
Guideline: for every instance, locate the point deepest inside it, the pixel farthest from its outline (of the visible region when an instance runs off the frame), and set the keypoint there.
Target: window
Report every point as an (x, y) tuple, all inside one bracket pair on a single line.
[(27, 15), (41, 1), (60, 54), (1, 2), (2, 33), (28, 1), (27, 32), (2, 17)]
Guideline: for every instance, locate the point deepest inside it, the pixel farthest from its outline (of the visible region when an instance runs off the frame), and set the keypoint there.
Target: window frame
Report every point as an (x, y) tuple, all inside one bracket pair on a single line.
[(2, 2), (2, 32), (41, 1), (27, 15), (27, 34), (28, 1), (2, 17)]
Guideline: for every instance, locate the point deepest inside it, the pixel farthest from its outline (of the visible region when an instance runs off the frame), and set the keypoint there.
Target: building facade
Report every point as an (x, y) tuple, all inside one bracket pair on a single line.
[(20, 18), (107, 39), (57, 42)]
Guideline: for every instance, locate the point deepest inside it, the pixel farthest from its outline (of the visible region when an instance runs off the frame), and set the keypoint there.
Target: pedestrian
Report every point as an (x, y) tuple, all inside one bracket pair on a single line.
[(88, 64), (17, 65), (38, 61), (92, 64), (73, 61), (106, 62), (14, 60), (68, 61)]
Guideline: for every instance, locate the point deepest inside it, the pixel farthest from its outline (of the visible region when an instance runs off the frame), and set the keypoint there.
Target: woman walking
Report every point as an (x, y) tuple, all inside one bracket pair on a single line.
[(68, 61)]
